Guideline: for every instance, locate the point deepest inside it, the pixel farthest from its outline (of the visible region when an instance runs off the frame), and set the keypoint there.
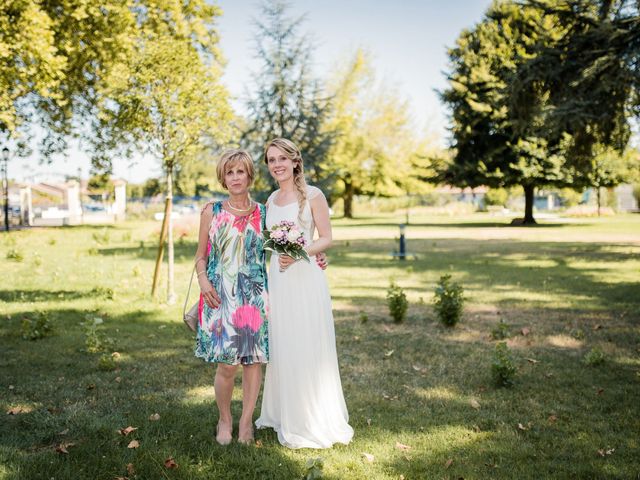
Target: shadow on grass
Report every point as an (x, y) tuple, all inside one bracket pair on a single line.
[(42, 295)]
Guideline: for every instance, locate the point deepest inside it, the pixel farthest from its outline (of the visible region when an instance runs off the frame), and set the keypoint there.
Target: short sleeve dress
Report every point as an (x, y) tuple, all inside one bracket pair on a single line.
[(236, 331)]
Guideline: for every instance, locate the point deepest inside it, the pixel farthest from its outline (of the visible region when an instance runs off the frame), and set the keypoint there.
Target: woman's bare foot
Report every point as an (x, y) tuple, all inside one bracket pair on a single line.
[(224, 433), (245, 432)]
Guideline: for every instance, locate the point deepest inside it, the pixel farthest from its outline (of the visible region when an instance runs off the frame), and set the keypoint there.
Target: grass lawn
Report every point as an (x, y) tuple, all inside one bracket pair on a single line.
[(420, 395)]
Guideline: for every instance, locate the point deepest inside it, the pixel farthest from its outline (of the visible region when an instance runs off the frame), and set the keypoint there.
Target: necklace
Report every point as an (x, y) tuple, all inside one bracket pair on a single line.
[(240, 209)]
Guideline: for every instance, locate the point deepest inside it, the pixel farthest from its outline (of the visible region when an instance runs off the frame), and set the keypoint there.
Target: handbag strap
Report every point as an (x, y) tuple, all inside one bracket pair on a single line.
[(186, 298)]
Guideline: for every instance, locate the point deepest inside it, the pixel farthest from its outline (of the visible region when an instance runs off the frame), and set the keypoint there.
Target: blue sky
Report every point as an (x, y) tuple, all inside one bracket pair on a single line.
[(407, 40)]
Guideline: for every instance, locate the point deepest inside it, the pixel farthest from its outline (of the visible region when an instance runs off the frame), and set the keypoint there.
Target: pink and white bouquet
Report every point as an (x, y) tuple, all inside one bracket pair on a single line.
[(285, 239)]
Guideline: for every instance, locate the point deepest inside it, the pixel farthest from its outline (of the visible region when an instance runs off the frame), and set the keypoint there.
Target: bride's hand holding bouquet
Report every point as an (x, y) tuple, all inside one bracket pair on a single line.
[(287, 241)]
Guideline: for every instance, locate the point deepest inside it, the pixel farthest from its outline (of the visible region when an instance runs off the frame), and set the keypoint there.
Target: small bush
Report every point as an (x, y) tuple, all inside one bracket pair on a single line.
[(500, 331), (104, 292), (496, 196), (107, 362), (36, 328), (364, 318), (502, 367), (94, 341), (101, 237), (594, 357), (15, 254), (313, 469), (397, 302), (448, 301)]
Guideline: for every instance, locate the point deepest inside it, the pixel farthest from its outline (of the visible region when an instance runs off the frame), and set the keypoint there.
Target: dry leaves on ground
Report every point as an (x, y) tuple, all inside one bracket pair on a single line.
[(368, 457), (133, 444), (474, 403), (155, 417), (170, 463), (402, 446)]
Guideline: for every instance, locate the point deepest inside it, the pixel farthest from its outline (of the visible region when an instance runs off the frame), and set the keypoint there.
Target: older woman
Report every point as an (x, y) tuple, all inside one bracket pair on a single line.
[(230, 264)]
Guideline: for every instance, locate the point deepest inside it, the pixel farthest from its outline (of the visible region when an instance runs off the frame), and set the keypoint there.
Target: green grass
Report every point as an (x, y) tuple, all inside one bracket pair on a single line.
[(573, 284)]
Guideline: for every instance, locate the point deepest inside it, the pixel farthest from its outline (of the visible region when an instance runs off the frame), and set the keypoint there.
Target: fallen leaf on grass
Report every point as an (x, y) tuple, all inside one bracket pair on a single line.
[(121, 478), (387, 328), (532, 360), (552, 419), (369, 422), (474, 403), (597, 327), (387, 354), (127, 431), (130, 469), (155, 417), (118, 379), (368, 457), (170, 463), (64, 432), (91, 386), (522, 427), (259, 443), (402, 446), (418, 368), (133, 444), (525, 331), (448, 463), (62, 448), (600, 391), (603, 452)]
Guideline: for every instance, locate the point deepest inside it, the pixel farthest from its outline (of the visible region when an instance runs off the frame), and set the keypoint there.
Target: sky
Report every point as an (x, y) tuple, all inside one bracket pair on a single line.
[(407, 40)]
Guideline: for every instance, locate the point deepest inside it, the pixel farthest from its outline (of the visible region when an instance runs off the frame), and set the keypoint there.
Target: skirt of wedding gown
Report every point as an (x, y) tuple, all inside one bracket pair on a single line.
[(302, 398)]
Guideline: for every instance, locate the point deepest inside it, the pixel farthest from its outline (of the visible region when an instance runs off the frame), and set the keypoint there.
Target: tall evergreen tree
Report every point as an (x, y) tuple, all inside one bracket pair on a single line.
[(287, 100), (493, 145)]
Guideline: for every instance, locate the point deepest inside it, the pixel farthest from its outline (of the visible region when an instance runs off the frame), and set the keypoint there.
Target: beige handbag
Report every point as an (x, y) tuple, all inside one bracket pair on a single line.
[(191, 316)]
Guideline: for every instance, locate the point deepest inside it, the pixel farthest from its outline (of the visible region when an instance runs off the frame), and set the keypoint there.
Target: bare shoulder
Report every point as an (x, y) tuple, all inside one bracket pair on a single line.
[(314, 193)]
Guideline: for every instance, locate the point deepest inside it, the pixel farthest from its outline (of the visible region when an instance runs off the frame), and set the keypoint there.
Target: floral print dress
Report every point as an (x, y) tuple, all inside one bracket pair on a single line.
[(236, 331)]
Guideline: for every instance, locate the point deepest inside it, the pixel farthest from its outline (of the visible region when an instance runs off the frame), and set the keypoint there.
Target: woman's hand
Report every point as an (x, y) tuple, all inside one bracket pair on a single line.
[(285, 262), (209, 294), (322, 261)]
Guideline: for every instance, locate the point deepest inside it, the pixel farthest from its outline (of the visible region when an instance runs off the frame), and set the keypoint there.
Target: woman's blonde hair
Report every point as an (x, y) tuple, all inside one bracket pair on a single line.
[(293, 153), (228, 158)]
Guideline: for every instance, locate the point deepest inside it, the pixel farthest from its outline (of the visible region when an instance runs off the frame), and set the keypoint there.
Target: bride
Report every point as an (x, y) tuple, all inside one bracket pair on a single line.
[(302, 398)]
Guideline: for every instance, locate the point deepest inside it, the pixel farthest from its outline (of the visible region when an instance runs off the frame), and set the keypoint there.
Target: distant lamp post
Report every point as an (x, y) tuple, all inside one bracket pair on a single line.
[(402, 254), (5, 185)]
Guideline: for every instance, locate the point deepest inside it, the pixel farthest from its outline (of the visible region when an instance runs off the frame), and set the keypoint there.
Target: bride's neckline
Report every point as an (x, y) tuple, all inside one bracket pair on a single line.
[(273, 201)]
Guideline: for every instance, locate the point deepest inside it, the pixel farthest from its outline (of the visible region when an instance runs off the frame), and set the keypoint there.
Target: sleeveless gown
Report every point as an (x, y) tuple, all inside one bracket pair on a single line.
[(302, 398)]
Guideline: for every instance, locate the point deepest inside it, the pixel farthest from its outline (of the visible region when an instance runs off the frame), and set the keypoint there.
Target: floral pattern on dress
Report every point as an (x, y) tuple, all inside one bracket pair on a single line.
[(235, 332)]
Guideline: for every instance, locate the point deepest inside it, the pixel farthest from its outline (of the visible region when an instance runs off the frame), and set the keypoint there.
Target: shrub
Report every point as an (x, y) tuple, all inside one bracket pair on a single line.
[(448, 301), (94, 341), (101, 237), (496, 196), (397, 302), (313, 469), (36, 328), (104, 292), (594, 357), (502, 367), (107, 362), (15, 254), (500, 331)]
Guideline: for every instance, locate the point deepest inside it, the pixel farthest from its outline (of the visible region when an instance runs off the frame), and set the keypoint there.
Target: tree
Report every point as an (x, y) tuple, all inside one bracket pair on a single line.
[(497, 143), (166, 99), (591, 79), (287, 101), (53, 55), (373, 146)]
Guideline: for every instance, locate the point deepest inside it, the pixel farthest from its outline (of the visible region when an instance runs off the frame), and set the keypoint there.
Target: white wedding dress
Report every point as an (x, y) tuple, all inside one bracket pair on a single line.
[(302, 398)]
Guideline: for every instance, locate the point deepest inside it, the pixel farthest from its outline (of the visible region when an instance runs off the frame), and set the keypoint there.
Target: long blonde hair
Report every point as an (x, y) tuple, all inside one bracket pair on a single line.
[(293, 153)]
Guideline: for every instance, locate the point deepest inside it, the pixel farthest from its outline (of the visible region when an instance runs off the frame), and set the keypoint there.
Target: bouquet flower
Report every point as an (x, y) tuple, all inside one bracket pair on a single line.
[(285, 239)]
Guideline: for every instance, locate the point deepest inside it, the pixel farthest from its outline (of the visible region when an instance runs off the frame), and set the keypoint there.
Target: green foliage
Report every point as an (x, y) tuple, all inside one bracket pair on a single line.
[(103, 292), (107, 362), (636, 193), (499, 142), (503, 369), (500, 331), (313, 469), (397, 302), (570, 197), (15, 254), (286, 100), (496, 196), (36, 327), (151, 187), (594, 357), (101, 237), (448, 301), (374, 150), (364, 318), (95, 341)]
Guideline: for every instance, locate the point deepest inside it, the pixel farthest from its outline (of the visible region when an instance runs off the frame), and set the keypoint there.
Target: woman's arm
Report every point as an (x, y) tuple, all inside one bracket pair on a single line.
[(320, 212), (209, 294)]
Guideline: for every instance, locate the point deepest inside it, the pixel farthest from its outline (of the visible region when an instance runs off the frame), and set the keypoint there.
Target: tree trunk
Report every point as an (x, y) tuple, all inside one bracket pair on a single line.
[(163, 236), (347, 198), (171, 295), (528, 205), (599, 199)]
